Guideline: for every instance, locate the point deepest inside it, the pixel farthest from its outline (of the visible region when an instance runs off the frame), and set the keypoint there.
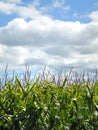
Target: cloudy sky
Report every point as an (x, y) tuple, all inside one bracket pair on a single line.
[(55, 33)]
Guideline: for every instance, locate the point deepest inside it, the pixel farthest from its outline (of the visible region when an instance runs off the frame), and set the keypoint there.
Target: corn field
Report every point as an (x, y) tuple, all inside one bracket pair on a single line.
[(44, 104)]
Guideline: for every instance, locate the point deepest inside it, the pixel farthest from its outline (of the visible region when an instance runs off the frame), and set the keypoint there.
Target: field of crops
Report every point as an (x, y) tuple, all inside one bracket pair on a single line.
[(48, 103)]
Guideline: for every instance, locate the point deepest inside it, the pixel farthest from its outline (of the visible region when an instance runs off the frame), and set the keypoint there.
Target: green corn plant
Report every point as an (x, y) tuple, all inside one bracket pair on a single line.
[(46, 105)]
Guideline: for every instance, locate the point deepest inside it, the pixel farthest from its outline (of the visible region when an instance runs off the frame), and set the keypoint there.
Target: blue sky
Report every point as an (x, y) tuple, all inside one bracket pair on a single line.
[(55, 33), (70, 10)]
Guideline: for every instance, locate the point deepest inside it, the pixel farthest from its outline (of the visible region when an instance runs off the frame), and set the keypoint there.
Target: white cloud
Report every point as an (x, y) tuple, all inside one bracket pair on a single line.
[(38, 32), (94, 16), (23, 11), (46, 41), (7, 8), (30, 11), (12, 55)]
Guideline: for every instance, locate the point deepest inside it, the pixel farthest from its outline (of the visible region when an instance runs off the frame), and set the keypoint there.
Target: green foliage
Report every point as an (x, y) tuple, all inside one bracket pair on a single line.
[(43, 105)]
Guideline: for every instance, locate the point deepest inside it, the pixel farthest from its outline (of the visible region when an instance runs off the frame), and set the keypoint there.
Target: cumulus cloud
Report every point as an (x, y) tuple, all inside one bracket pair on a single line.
[(46, 41), (49, 42), (42, 31)]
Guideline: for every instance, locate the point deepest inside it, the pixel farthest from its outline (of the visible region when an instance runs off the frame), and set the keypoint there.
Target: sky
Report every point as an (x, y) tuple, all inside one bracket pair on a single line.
[(54, 33)]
